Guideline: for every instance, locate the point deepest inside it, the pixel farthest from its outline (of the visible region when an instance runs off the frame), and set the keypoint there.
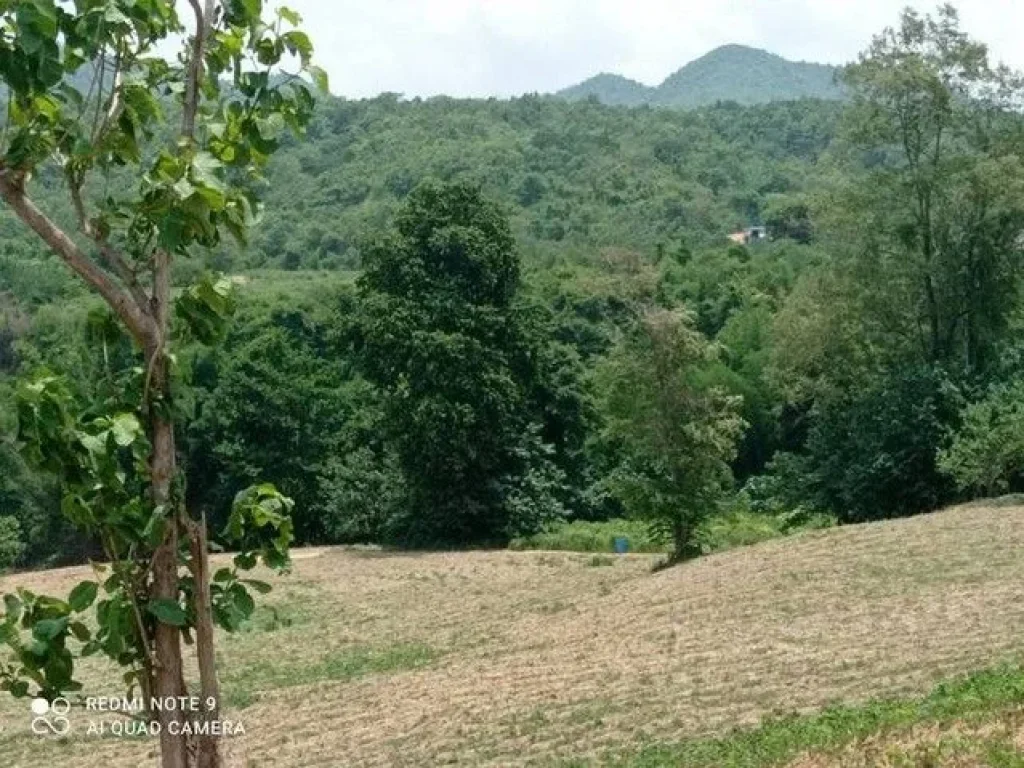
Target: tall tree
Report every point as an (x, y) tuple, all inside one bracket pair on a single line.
[(942, 205), (445, 340), (677, 434), (89, 94)]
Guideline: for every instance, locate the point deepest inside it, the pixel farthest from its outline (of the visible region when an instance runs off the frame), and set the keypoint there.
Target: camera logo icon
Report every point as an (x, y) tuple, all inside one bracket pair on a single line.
[(50, 717)]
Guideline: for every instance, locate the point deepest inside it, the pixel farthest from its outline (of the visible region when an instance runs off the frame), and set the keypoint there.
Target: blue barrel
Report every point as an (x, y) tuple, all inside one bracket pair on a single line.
[(621, 544)]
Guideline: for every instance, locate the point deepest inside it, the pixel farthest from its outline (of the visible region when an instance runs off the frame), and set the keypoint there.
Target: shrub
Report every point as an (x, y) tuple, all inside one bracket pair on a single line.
[(783, 485), (363, 496), (11, 545), (581, 536), (871, 453), (739, 526), (987, 453)]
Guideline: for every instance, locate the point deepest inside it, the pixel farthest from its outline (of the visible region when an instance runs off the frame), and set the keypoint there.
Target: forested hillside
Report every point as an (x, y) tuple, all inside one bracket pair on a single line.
[(444, 303), (574, 177), (730, 73), (609, 88)]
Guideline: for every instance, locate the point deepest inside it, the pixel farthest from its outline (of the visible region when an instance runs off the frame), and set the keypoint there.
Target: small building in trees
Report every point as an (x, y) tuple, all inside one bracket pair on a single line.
[(749, 235)]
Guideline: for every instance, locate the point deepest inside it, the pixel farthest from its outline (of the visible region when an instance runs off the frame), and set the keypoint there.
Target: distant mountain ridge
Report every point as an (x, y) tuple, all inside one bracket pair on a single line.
[(729, 73)]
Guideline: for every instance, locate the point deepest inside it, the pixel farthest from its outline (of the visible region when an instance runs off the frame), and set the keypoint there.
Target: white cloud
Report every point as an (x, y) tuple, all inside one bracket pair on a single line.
[(506, 47)]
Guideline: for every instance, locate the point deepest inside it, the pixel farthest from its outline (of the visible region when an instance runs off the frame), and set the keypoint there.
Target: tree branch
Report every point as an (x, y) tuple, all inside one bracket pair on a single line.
[(111, 257), (204, 20), (112, 109), (139, 323)]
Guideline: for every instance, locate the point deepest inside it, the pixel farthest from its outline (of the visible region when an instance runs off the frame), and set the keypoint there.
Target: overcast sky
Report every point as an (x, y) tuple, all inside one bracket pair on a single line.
[(508, 47)]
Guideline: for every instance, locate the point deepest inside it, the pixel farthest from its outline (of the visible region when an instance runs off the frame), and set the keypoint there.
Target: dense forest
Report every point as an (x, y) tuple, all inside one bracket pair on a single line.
[(461, 321)]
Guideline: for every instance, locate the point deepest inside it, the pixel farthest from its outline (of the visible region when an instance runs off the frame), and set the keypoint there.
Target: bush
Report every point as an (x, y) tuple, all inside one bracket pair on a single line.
[(581, 536), (783, 485), (740, 527), (11, 545), (871, 453), (364, 494), (736, 527), (987, 453)]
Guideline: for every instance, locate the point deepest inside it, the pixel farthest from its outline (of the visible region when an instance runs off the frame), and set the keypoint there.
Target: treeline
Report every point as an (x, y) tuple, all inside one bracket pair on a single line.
[(497, 315)]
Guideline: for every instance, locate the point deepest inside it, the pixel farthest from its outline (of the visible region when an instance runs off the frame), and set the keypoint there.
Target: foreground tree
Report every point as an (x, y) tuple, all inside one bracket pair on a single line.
[(676, 434), (89, 96)]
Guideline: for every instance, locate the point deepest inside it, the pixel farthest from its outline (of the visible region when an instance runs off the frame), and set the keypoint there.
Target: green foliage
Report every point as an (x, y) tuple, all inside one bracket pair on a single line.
[(986, 455), (576, 178), (677, 434), (738, 526), (102, 460), (921, 216), (735, 526), (183, 196), (87, 103), (449, 397), (31, 501), (872, 453), (613, 90), (364, 498), (583, 536), (205, 308), (443, 338), (260, 525), (730, 73), (940, 209), (275, 403), (12, 545), (781, 739), (37, 630)]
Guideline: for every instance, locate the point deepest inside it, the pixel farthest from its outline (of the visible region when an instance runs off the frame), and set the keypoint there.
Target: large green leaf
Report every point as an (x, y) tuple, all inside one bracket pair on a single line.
[(48, 629), (83, 596), (168, 611)]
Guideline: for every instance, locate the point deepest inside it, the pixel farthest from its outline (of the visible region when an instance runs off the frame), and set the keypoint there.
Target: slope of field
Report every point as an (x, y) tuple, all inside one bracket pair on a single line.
[(512, 658)]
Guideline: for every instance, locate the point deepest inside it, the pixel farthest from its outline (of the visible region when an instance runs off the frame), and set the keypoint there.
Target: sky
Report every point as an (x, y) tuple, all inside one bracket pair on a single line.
[(510, 47)]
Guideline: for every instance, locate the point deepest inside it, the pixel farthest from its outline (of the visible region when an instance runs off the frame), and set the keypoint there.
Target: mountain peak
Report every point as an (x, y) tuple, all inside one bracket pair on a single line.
[(609, 88), (730, 72)]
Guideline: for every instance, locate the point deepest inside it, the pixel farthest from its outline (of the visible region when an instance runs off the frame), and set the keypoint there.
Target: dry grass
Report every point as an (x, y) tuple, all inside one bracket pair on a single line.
[(513, 658)]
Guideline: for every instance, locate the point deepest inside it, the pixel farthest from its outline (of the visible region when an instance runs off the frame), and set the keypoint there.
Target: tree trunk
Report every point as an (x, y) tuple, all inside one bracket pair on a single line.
[(208, 753), (176, 749), (680, 541), (168, 674)]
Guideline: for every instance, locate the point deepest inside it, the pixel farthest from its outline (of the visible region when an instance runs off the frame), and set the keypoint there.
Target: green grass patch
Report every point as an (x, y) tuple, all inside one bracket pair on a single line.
[(736, 527), (242, 685), (582, 536), (274, 616), (776, 741)]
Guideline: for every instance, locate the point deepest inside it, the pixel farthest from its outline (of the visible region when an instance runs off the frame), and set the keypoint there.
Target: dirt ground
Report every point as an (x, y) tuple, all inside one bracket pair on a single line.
[(366, 658)]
